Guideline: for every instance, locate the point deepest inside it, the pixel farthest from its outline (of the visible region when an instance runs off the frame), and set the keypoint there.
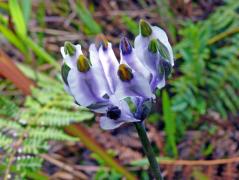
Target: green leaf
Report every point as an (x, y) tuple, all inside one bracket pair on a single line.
[(39, 51), (26, 9), (17, 17), (132, 26), (92, 26), (170, 125), (12, 38)]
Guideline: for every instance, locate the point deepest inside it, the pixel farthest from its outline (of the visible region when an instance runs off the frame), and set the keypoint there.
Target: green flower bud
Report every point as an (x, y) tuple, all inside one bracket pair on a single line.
[(83, 64), (125, 73), (163, 50), (64, 72), (145, 28), (153, 46), (69, 48), (167, 67)]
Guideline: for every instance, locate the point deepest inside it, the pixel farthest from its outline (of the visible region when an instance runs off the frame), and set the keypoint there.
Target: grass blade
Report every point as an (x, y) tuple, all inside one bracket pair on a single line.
[(170, 125), (17, 17), (91, 25), (39, 51), (12, 38), (26, 9), (132, 26)]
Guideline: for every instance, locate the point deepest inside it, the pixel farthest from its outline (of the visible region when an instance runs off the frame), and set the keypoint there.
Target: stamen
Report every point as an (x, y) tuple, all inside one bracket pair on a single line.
[(125, 46), (101, 41), (125, 73), (83, 64), (145, 28)]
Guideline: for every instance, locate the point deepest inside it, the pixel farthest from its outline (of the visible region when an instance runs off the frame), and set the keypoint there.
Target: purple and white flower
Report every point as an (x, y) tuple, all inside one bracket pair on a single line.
[(105, 85)]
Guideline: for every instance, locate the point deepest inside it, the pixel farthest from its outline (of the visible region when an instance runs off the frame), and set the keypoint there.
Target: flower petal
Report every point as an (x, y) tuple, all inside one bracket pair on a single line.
[(133, 61), (71, 60), (110, 65), (85, 87), (108, 124), (132, 84), (160, 34), (141, 43), (97, 66)]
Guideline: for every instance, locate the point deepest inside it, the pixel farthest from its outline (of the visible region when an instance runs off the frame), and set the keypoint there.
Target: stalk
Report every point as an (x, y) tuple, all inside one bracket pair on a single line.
[(154, 166)]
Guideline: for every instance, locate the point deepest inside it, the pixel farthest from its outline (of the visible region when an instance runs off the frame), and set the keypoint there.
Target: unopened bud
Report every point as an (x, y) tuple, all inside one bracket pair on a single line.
[(69, 48), (83, 64), (114, 112), (145, 28), (125, 46), (64, 72), (163, 50), (125, 73), (153, 46), (101, 41), (167, 68)]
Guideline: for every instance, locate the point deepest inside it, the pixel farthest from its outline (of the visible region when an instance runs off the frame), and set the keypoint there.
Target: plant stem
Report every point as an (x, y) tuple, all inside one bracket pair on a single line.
[(148, 150)]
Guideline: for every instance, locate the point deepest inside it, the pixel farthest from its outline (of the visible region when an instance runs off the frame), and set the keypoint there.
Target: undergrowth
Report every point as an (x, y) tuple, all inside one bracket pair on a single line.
[(25, 132), (208, 78)]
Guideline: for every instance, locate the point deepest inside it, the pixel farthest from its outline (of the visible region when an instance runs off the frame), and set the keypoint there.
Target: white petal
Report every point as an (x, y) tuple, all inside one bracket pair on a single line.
[(109, 124), (133, 61), (138, 86), (110, 65), (98, 69), (84, 87), (141, 45), (71, 60), (160, 34)]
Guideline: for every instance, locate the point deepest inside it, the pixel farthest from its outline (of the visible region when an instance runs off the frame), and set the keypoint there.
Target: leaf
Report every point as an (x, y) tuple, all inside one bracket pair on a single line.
[(132, 26), (17, 17), (12, 38), (91, 25), (170, 125), (39, 51), (26, 9)]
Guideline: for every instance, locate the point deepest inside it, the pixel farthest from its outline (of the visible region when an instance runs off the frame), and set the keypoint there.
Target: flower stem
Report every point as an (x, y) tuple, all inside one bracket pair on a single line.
[(148, 150)]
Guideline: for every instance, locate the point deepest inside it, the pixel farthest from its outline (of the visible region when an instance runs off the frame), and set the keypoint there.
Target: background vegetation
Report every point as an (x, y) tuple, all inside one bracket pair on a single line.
[(196, 117)]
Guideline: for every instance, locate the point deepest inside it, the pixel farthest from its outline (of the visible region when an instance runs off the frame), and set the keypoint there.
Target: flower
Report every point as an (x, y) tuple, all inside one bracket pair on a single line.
[(154, 50), (111, 87)]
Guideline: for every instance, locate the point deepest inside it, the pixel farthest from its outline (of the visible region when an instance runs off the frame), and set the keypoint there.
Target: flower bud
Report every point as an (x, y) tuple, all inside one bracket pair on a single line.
[(101, 41), (145, 28), (69, 48), (113, 112), (153, 46), (83, 64), (125, 46), (163, 50), (125, 73), (167, 67), (64, 72)]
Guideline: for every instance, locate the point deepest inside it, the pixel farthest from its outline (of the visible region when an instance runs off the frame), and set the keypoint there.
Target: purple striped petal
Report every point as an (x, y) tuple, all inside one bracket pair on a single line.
[(110, 65), (132, 84)]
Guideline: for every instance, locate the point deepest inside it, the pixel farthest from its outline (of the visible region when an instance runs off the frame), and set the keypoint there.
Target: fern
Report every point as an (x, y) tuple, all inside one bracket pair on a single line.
[(25, 131), (209, 77)]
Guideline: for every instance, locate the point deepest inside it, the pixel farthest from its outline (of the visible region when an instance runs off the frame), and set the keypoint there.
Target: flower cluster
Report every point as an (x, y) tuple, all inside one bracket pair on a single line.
[(122, 91)]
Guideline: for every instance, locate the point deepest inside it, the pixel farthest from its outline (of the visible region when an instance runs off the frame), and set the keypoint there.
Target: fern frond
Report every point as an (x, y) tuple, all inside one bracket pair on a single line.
[(25, 132)]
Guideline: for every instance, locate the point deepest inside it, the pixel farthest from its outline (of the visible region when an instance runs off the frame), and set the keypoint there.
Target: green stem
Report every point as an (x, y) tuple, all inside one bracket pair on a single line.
[(148, 150)]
